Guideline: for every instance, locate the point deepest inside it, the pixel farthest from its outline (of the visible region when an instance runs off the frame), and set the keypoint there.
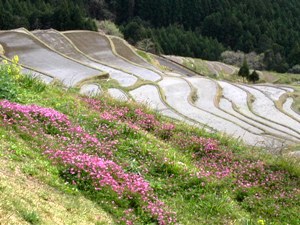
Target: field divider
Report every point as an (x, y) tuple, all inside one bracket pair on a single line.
[(93, 59), (281, 101), (131, 49), (103, 73), (251, 98), (278, 103), (114, 51), (258, 119), (259, 124), (218, 97), (214, 114), (168, 106)]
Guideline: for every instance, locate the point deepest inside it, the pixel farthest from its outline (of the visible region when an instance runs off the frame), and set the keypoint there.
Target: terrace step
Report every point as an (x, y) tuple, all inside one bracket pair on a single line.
[(62, 44), (35, 54), (99, 48)]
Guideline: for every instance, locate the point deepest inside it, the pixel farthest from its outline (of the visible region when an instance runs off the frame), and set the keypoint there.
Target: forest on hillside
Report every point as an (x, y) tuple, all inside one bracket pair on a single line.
[(195, 28)]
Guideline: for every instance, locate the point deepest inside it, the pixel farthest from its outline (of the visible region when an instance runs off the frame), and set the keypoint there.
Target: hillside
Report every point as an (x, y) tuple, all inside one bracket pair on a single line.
[(98, 63), (71, 159), (199, 28)]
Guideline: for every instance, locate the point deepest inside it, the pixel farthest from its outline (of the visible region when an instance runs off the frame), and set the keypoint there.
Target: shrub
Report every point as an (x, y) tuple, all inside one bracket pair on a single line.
[(244, 70), (9, 75), (109, 28), (253, 77), (295, 69)]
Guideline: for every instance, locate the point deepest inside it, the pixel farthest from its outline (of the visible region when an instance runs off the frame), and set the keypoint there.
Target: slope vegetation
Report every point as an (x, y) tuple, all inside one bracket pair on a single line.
[(69, 158)]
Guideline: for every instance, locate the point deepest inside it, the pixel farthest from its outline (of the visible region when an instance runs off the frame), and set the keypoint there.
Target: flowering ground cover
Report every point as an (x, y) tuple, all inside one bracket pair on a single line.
[(137, 166)]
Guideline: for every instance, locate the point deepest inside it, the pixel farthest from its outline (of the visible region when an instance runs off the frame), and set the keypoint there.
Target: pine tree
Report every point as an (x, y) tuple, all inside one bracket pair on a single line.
[(244, 70)]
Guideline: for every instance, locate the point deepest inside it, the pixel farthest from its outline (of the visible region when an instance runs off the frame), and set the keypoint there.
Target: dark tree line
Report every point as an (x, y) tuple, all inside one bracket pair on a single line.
[(199, 28), (43, 14), (271, 27)]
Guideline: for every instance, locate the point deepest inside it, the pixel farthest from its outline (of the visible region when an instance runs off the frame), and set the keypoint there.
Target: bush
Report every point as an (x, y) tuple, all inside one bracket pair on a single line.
[(295, 69), (109, 28), (253, 77), (146, 45), (9, 75)]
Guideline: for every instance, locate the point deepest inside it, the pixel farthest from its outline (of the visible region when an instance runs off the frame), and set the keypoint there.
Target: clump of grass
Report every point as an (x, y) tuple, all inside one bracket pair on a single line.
[(31, 217), (194, 95)]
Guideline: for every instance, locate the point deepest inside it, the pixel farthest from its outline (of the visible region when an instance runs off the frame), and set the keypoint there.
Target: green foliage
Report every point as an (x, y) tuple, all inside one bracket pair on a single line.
[(172, 40), (9, 75), (295, 69), (108, 27), (32, 82), (14, 85), (61, 15), (262, 26), (31, 217), (146, 45), (253, 77), (134, 32), (174, 161), (244, 70)]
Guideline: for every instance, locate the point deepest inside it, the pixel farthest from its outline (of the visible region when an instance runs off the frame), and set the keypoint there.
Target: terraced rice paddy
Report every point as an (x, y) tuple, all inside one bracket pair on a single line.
[(62, 44), (123, 49), (265, 108), (36, 55), (256, 114), (149, 95), (99, 47), (287, 107)]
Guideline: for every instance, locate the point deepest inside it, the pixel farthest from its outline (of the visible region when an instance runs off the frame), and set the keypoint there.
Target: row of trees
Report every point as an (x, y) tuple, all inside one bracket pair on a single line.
[(198, 28), (173, 40), (262, 26), (39, 14)]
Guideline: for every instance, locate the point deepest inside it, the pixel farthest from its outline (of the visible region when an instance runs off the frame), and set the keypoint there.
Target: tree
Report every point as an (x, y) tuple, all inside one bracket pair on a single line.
[(244, 70), (253, 77), (146, 45)]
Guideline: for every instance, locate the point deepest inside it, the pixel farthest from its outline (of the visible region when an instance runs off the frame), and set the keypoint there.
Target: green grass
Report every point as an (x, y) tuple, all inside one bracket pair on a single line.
[(145, 56), (30, 185), (197, 65), (150, 59)]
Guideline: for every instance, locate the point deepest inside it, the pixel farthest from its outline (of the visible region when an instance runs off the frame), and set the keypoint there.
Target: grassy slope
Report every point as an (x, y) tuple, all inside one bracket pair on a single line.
[(34, 190)]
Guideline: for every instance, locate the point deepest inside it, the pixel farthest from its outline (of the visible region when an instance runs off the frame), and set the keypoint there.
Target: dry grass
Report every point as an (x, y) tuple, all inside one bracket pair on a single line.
[(296, 96), (26, 199), (1, 50)]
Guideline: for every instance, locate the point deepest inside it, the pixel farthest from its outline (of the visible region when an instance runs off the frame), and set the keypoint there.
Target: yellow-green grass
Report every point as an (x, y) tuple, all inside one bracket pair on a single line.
[(150, 59), (198, 65), (296, 96), (46, 198), (31, 191)]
